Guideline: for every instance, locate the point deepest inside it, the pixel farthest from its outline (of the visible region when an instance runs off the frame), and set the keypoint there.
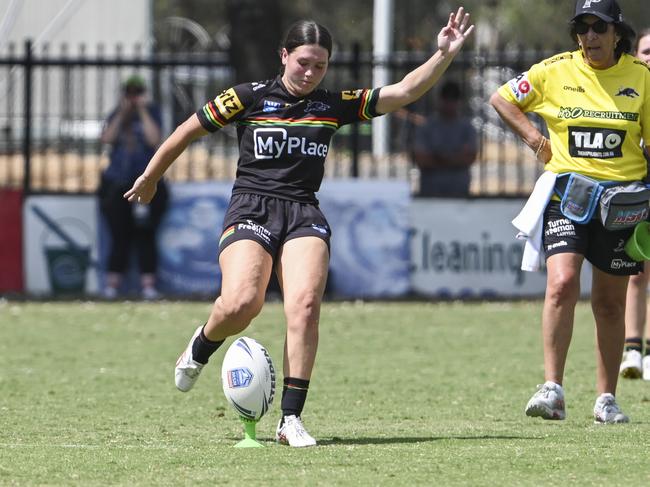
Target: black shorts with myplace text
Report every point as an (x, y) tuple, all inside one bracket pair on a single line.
[(603, 248), (271, 222)]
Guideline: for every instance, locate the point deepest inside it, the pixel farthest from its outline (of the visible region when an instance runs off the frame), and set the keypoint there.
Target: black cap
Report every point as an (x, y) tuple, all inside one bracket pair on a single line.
[(607, 10)]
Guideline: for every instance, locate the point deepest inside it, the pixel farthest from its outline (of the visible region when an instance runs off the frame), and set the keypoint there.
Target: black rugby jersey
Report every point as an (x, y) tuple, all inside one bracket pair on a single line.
[(283, 139)]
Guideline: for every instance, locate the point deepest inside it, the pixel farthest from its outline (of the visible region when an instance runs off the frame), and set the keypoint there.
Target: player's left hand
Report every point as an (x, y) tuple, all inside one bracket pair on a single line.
[(453, 35)]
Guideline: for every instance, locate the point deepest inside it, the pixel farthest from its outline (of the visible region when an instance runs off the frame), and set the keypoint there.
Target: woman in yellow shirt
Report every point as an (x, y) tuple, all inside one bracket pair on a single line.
[(594, 102)]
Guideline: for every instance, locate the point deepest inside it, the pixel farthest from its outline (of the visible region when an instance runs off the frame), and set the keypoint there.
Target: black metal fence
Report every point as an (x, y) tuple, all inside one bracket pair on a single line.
[(54, 104)]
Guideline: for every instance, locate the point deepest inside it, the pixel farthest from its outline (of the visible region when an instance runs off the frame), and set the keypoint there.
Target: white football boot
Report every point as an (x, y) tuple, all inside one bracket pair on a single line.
[(187, 369), (646, 367), (547, 402), (293, 433), (631, 365), (607, 411)]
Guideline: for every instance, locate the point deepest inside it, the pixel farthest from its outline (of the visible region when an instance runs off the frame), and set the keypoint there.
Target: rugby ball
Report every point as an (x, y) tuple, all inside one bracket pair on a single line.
[(248, 378)]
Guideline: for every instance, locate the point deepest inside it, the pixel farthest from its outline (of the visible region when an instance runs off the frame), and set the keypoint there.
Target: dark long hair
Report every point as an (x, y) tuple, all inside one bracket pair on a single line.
[(306, 32), (623, 29)]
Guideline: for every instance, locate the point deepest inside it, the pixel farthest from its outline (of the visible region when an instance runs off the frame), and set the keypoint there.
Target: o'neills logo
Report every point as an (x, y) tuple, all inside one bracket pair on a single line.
[(577, 89)]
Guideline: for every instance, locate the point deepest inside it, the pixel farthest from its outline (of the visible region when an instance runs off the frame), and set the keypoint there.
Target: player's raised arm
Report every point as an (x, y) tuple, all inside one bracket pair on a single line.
[(144, 188), (450, 40)]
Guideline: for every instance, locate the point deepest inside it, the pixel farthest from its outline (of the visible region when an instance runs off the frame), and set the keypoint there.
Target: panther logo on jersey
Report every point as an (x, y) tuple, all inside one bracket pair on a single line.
[(629, 92), (316, 106)]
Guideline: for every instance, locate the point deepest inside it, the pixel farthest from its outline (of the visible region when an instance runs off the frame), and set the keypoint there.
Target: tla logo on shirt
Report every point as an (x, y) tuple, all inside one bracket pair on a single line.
[(599, 143), (273, 143)]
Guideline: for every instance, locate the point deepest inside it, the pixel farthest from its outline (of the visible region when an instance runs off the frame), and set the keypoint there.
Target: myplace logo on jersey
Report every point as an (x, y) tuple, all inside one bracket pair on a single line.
[(520, 86), (599, 143), (273, 143)]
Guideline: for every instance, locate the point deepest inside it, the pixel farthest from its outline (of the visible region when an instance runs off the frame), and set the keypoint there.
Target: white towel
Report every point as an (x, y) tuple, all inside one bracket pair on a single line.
[(530, 220)]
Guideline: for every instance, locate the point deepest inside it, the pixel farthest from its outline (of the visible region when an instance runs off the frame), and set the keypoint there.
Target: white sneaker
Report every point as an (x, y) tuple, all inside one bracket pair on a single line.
[(607, 411), (293, 433), (187, 369), (547, 402), (631, 366), (646, 367)]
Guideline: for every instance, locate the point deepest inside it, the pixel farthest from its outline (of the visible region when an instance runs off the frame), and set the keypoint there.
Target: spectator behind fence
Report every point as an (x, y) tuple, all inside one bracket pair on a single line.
[(445, 147), (133, 130), (635, 362)]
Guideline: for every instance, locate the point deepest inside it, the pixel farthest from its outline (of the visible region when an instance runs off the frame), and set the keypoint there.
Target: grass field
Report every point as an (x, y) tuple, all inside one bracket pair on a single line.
[(403, 394)]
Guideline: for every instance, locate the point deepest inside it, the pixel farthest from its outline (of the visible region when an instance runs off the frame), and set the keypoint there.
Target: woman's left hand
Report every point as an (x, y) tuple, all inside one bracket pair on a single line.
[(453, 35)]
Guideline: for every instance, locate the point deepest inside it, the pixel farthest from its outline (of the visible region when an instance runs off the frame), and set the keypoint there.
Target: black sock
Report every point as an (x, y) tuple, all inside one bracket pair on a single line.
[(294, 394), (202, 348), (633, 344), (647, 346)]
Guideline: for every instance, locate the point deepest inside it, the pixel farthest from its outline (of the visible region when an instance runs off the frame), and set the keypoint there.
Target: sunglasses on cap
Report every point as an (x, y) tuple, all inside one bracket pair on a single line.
[(599, 27)]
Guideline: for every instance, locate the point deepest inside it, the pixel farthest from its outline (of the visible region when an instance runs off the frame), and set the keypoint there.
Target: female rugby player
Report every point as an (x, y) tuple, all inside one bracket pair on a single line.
[(273, 223)]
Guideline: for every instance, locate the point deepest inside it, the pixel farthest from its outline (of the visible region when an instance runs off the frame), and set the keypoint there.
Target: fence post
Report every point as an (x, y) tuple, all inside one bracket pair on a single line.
[(354, 134), (27, 118)]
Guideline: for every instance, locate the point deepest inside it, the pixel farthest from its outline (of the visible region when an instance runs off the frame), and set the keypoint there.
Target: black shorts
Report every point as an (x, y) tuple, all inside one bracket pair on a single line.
[(603, 248), (271, 222)]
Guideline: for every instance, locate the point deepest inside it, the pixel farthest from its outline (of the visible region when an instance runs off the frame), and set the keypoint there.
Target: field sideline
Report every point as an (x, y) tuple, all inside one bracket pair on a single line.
[(403, 394)]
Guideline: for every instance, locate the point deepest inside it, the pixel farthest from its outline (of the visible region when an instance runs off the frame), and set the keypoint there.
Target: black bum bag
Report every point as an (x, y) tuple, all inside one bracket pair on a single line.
[(620, 205)]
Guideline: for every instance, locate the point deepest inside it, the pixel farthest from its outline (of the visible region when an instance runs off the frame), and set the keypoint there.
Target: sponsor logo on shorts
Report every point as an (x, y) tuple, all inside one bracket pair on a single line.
[(618, 264), (620, 247), (562, 227), (274, 143), (228, 103), (258, 230), (320, 228), (561, 243), (595, 142)]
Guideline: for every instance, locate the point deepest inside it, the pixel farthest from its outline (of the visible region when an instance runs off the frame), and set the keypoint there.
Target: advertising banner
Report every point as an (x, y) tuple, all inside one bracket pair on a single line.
[(60, 245), (467, 249), (369, 220), (188, 238), (11, 246), (370, 255)]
